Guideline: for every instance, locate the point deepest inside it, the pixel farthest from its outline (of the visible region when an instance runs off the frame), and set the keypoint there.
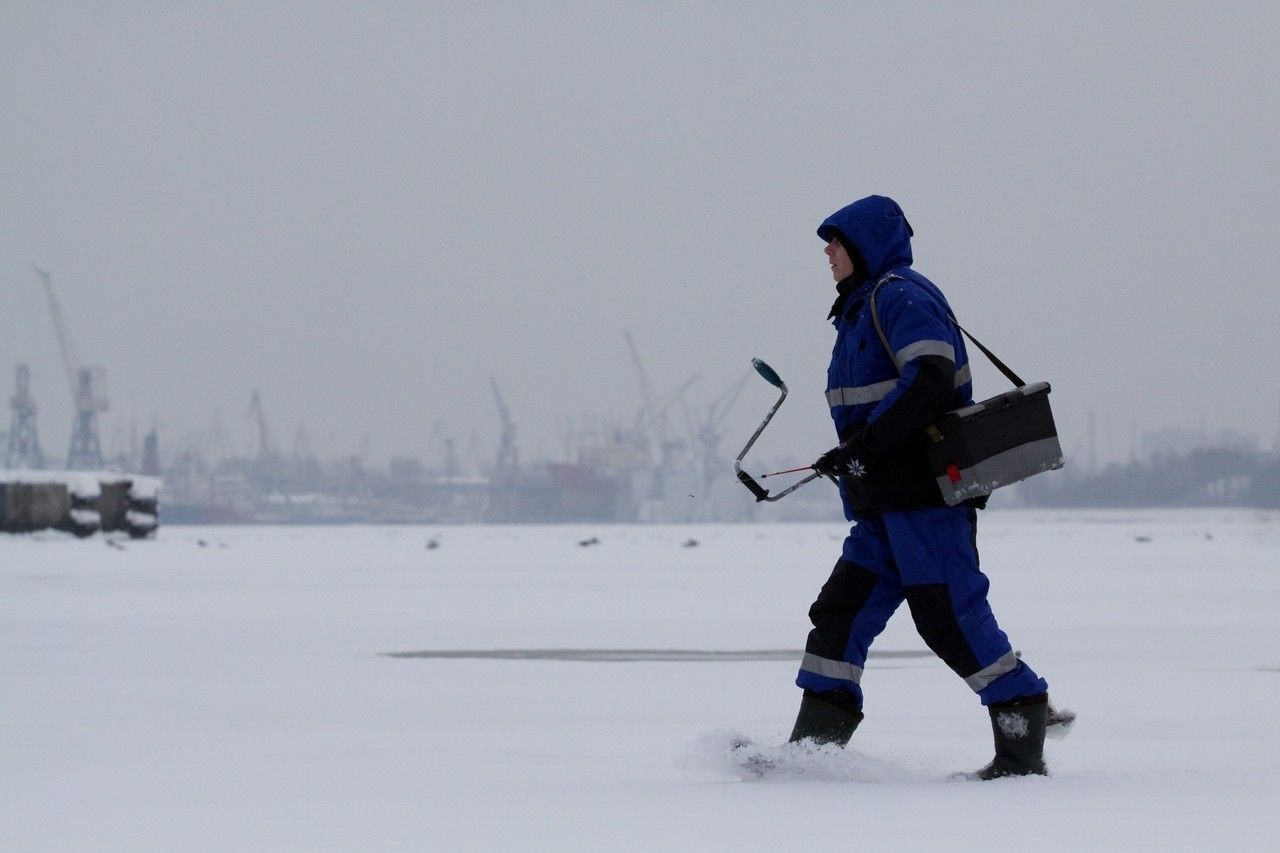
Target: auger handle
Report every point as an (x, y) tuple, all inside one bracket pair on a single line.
[(762, 494)]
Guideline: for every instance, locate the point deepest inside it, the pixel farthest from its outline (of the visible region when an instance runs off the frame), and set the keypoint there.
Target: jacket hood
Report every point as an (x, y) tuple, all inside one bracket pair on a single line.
[(877, 228)]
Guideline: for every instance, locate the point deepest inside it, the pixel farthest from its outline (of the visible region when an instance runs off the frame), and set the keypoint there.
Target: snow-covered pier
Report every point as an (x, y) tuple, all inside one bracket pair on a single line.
[(79, 502)]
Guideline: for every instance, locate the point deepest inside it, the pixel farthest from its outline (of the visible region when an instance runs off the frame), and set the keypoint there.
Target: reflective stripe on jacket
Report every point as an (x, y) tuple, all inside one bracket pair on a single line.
[(884, 402)]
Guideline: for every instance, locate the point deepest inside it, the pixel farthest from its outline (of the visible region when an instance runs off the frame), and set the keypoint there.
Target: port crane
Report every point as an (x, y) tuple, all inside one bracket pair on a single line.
[(85, 453), (24, 442)]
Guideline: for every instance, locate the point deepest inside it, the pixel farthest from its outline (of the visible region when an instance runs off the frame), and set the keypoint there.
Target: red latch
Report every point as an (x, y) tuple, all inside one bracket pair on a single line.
[(953, 473)]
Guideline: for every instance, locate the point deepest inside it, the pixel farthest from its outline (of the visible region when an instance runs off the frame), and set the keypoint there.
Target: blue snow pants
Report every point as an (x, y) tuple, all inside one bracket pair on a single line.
[(930, 558)]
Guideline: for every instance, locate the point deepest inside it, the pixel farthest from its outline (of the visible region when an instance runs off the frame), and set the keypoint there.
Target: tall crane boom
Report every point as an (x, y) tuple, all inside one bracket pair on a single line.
[(508, 460), (69, 362), (646, 392), (265, 448)]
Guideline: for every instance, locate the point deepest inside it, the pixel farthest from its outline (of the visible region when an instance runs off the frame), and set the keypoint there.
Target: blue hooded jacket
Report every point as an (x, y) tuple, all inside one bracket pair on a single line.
[(882, 404), (879, 230)]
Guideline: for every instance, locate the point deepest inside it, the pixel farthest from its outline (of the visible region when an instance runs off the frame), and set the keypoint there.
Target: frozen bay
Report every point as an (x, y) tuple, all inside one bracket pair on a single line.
[(350, 688)]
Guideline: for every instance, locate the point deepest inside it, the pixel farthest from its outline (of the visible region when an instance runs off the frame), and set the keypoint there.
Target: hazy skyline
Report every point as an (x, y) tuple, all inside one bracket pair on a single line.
[(366, 212)]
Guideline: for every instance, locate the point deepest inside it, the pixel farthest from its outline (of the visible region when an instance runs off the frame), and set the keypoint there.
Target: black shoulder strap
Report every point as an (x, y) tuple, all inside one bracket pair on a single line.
[(1000, 365), (875, 319)]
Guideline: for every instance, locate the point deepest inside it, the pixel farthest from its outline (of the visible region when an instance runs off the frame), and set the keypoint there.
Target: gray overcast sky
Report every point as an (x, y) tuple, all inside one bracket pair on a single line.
[(365, 210)]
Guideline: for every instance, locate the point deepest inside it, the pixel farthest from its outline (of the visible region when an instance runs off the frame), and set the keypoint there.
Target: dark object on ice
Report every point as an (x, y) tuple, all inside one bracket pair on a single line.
[(111, 543), (202, 543), (433, 544), (828, 717), (586, 542), (691, 543), (1018, 728), (1142, 539)]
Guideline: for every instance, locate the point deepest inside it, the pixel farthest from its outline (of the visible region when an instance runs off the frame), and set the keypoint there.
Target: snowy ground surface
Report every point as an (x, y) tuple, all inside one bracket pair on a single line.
[(227, 689)]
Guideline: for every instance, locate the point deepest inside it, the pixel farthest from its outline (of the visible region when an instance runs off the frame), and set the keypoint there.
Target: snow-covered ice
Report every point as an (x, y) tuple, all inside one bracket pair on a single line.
[(231, 689)]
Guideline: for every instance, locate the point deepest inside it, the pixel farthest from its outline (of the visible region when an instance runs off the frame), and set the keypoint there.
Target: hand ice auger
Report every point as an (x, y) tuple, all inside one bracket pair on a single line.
[(761, 493)]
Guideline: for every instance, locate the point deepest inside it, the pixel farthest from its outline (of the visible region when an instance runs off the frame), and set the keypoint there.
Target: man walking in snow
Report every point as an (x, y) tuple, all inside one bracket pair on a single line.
[(899, 362)]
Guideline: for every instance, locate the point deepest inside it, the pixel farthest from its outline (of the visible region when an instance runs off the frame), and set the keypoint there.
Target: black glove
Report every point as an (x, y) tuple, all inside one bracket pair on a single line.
[(841, 461)]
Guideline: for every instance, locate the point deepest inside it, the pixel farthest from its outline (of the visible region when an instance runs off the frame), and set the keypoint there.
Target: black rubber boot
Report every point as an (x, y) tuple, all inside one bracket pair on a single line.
[(827, 717), (1018, 727)]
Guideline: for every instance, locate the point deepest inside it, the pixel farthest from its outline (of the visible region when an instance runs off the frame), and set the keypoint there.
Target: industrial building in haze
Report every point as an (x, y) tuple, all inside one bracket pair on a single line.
[(668, 462)]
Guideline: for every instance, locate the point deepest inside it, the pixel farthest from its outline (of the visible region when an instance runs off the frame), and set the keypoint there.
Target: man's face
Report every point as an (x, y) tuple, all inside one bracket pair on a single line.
[(841, 263)]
